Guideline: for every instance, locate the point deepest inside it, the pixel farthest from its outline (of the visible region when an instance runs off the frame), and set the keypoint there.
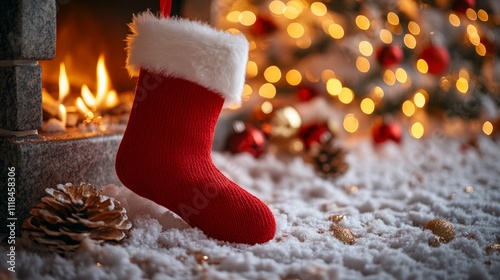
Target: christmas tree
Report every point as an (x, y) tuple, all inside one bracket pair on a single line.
[(410, 61)]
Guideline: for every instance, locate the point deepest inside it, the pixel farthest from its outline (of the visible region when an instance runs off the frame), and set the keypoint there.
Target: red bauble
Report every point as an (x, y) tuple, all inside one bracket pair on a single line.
[(387, 131), (314, 133), (248, 139), (263, 26), (461, 6), (390, 55), (305, 94), (437, 58)]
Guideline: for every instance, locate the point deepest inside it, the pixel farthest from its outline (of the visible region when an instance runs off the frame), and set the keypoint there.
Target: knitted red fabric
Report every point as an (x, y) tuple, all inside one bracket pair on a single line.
[(165, 156)]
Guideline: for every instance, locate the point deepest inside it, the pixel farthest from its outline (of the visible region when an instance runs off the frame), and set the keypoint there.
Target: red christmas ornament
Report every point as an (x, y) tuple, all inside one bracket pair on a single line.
[(387, 131), (390, 55), (263, 26), (437, 59), (246, 138), (314, 133), (461, 6), (307, 93)]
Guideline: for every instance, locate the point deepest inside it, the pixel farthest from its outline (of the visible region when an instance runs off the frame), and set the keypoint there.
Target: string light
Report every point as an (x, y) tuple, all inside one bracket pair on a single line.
[(272, 74), (410, 41), (350, 123), (346, 95), (408, 108), (367, 106), (266, 107), (401, 75), (295, 30), (233, 16), (277, 7), (293, 77), (389, 77), (318, 9), (471, 14), (291, 12), (377, 93), (267, 90), (454, 20), (482, 15), (362, 64), (474, 39), (385, 36), (487, 128), (252, 69), (392, 18), (247, 18), (422, 66), (481, 49), (414, 28), (419, 99), (462, 85), (336, 31), (365, 48), (362, 22), (334, 86), (417, 130)]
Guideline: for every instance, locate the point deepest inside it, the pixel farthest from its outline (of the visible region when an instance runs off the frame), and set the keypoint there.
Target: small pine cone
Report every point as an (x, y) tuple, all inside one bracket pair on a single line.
[(329, 158), (70, 214)]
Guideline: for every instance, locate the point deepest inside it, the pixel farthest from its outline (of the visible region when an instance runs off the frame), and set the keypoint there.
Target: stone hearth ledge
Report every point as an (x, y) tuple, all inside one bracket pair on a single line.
[(43, 161)]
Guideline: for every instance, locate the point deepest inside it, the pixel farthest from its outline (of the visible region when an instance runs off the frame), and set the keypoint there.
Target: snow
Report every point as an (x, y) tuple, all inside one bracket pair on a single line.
[(399, 189)]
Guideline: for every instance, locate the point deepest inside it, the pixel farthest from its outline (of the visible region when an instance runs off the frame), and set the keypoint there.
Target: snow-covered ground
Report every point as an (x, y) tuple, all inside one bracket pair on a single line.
[(387, 196)]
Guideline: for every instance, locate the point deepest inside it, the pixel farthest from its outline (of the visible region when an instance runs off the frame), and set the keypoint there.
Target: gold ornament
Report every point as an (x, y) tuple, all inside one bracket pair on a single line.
[(70, 214), (442, 228), (343, 234), (336, 218), (329, 159), (492, 248), (286, 122)]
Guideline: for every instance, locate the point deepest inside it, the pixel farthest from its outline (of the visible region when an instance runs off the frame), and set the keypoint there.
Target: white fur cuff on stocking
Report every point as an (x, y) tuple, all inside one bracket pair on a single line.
[(190, 50)]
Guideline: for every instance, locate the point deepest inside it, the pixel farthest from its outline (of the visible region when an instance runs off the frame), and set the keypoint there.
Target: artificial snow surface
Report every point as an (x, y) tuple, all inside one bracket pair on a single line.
[(399, 189)]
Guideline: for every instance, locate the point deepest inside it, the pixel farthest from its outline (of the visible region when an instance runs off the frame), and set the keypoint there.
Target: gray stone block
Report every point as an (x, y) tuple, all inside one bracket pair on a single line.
[(21, 97), (27, 29), (42, 162)]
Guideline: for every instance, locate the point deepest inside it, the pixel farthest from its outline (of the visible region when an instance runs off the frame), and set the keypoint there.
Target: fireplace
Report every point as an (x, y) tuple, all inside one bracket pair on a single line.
[(90, 34)]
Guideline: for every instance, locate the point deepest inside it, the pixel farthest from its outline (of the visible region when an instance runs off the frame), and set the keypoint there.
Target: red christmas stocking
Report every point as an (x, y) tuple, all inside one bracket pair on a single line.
[(187, 71)]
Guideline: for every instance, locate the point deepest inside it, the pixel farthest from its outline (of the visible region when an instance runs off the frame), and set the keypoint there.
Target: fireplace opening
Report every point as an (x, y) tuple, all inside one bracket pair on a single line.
[(87, 77)]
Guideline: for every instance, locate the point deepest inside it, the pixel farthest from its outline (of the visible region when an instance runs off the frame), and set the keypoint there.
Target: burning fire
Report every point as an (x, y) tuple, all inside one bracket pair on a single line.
[(105, 99), (88, 104)]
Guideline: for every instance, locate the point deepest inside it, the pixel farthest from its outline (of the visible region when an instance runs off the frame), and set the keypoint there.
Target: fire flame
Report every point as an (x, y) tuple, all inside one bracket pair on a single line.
[(55, 107), (63, 83), (88, 104), (104, 99)]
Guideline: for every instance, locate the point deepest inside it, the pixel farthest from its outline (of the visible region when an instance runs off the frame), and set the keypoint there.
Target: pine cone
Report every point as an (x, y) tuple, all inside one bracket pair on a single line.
[(329, 158), (70, 214)]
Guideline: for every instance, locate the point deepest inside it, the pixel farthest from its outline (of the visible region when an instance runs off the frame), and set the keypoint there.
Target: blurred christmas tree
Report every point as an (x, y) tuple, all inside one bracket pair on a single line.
[(397, 58)]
